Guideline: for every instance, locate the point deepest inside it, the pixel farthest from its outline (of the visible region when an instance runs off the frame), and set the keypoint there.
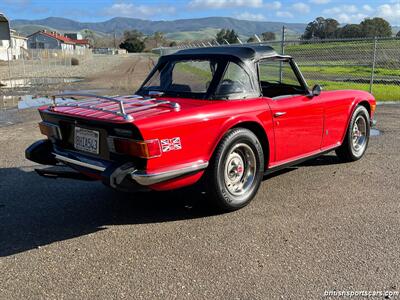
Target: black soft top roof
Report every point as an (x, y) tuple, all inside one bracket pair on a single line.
[(243, 52)]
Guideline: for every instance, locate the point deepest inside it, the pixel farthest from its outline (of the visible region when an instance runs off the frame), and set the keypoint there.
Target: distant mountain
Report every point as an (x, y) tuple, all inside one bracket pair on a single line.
[(119, 25)]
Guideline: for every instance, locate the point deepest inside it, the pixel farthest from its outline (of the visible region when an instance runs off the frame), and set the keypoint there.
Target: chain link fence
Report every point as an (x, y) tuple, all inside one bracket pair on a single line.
[(43, 62), (371, 64), (365, 64), (33, 65)]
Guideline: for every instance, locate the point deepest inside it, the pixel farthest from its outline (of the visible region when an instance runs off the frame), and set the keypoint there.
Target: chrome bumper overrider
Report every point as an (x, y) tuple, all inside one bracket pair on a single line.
[(140, 176)]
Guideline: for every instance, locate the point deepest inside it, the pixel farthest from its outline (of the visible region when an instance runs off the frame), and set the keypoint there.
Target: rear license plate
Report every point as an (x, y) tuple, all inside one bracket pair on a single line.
[(86, 140)]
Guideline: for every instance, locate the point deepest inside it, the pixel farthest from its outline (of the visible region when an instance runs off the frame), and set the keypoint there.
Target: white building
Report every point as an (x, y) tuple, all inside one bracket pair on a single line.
[(12, 45), (74, 35), (18, 45)]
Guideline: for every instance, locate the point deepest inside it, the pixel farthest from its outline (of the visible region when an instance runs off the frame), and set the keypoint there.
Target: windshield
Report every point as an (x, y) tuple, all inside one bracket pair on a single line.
[(182, 78)]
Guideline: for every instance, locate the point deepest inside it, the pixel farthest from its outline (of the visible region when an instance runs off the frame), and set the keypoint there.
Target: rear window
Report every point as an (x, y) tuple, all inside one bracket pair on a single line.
[(185, 76)]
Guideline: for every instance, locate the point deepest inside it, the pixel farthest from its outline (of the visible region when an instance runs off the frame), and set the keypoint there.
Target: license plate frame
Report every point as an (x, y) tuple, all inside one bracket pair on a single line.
[(87, 140)]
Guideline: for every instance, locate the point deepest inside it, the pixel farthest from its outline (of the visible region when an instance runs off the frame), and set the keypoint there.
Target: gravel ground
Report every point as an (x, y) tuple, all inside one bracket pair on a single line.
[(321, 226)]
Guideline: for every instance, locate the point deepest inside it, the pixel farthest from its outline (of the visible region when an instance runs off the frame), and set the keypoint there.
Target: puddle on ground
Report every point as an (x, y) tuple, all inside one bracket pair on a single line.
[(30, 82), (7, 102), (28, 101), (375, 132), (31, 101)]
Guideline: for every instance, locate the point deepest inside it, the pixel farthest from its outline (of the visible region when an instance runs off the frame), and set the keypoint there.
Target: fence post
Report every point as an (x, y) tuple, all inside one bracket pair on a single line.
[(282, 52), (371, 82), (23, 63)]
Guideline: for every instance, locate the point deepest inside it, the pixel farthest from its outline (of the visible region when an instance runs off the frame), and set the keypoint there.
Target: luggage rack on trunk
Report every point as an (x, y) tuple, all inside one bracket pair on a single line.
[(132, 104)]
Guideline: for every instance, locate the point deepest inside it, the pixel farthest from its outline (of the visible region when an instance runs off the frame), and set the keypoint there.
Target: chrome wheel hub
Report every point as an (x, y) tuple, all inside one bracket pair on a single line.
[(240, 169), (359, 134)]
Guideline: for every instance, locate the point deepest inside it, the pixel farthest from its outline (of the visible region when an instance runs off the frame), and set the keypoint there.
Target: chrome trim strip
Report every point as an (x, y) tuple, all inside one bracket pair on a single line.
[(144, 178), (78, 163)]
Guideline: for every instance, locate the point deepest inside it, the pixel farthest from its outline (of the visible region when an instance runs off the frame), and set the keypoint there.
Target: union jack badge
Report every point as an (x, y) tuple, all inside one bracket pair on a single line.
[(171, 144)]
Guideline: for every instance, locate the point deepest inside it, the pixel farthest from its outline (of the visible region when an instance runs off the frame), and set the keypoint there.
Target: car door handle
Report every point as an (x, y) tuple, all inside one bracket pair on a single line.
[(279, 114)]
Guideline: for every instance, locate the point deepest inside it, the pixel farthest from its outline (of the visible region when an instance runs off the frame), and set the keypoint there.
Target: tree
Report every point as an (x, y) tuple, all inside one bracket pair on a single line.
[(321, 28), (133, 41), (376, 27), (330, 28), (226, 35), (159, 38), (155, 41), (268, 36), (350, 31), (133, 34), (89, 35), (252, 39), (398, 34), (132, 45)]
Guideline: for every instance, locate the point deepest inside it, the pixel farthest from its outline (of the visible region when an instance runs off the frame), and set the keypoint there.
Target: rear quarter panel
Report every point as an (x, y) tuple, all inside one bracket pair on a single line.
[(338, 109), (201, 128)]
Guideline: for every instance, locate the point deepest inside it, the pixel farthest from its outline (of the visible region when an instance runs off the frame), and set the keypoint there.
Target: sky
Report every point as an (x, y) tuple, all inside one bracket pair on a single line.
[(290, 11)]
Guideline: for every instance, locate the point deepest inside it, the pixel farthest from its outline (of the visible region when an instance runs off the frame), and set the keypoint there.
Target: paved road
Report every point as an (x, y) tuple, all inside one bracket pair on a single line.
[(321, 226)]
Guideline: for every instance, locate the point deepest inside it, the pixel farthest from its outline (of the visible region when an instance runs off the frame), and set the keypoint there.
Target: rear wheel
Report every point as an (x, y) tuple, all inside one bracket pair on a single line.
[(236, 170), (357, 137)]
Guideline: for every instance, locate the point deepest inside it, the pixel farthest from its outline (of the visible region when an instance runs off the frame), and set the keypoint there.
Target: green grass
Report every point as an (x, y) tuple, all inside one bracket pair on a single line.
[(347, 45), (208, 33), (382, 92), (200, 73), (361, 71)]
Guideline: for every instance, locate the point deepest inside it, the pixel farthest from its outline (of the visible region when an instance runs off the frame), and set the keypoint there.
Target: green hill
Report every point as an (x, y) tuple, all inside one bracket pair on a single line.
[(119, 25)]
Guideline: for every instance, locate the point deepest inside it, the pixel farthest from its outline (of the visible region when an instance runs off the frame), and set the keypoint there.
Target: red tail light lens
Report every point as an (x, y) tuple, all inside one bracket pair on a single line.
[(144, 149)]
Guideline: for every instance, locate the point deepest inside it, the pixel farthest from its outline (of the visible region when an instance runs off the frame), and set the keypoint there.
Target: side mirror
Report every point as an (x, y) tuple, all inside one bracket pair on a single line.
[(316, 90)]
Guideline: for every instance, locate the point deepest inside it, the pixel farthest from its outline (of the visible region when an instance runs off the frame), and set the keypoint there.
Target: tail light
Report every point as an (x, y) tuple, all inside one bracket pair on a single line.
[(144, 149)]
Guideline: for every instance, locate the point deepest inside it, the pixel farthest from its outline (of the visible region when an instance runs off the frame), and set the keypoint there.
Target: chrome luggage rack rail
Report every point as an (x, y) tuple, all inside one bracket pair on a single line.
[(132, 104)]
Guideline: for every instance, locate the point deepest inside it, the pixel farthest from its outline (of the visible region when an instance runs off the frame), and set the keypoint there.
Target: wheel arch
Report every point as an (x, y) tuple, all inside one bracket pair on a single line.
[(364, 103), (256, 128), (357, 102), (260, 133)]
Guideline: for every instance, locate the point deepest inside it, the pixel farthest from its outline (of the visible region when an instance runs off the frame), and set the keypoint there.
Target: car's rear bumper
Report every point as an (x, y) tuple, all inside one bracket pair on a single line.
[(141, 177), (115, 174)]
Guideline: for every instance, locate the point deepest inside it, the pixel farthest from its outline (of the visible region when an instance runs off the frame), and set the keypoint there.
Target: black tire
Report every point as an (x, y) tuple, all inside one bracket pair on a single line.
[(238, 155), (348, 151)]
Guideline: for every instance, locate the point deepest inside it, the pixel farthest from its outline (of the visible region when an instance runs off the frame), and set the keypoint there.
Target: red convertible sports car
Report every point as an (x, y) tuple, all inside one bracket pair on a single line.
[(218, 116)]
